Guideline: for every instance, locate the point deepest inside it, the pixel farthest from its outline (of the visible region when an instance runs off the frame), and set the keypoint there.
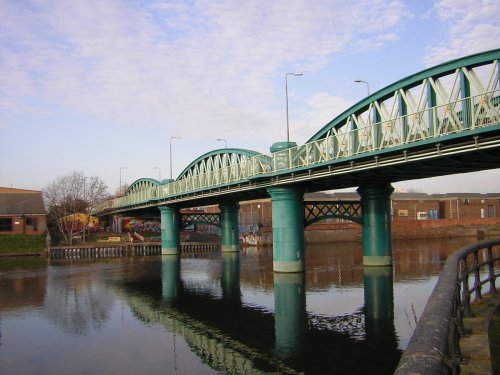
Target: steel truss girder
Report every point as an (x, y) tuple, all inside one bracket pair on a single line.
[(322, 210), (441, 107), (209, 219)]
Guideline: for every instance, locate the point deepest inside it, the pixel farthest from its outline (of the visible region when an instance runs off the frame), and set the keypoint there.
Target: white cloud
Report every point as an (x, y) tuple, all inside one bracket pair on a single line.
[(470, 26), (183, 65)]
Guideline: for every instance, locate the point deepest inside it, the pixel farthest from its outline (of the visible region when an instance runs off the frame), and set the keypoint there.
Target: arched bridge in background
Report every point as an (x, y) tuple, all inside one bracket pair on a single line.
[(443, 120)]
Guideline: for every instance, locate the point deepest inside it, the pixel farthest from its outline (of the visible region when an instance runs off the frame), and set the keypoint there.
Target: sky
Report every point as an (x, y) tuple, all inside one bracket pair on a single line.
[(101, 86)]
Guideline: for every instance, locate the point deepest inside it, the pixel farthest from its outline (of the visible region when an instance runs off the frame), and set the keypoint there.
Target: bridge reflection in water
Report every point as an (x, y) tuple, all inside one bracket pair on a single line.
[(236, 337)]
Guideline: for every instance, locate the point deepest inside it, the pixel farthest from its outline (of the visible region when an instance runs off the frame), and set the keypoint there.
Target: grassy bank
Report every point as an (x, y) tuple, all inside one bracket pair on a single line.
[(21, 244)]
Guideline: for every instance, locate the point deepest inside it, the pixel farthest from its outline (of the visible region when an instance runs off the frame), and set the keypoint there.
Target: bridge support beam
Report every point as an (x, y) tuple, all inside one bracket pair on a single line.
[(377, 234), (288, 229), (170, 230), (229, 229)]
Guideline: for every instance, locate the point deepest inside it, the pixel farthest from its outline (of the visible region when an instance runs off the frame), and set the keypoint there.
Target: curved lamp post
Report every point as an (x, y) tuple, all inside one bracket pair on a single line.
[(367, 85), (222, 139)]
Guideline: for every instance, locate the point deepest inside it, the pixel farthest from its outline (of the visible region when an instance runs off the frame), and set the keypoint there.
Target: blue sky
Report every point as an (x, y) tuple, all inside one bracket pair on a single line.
[(98, 85)]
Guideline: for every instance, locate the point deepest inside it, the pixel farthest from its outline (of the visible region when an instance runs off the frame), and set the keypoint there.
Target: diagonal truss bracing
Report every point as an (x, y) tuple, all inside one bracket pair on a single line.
[(322, 210)]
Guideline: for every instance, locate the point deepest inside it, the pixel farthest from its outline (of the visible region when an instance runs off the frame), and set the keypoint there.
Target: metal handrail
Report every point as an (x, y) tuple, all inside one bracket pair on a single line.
[(434, 346)]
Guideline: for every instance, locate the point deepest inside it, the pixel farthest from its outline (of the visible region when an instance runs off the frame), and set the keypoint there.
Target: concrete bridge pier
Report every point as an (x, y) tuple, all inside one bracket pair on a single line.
[(170, 230), (229, 227), (376, 232), (288, 228)]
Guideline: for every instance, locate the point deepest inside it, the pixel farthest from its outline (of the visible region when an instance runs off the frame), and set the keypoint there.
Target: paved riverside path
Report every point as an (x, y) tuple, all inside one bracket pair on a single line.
[(475, 346)]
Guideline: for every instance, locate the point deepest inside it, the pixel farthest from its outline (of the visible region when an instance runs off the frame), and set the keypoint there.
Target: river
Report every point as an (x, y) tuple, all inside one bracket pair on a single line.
[(215, 313)]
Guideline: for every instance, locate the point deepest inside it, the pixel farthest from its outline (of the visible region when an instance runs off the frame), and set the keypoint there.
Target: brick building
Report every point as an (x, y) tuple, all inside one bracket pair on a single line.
[(22, 211), (404, 206)]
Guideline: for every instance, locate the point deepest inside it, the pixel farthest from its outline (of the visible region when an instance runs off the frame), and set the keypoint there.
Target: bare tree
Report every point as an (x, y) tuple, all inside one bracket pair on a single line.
[(94, 192), (69, 195)]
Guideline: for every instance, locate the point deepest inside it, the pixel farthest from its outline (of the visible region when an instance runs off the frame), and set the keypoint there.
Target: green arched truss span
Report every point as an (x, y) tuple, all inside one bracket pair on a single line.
[(229, 159), (444, 83), (141, 185)]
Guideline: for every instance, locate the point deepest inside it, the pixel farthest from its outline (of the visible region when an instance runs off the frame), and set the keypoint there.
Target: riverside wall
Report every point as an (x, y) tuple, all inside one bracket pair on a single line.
[(441, 228)]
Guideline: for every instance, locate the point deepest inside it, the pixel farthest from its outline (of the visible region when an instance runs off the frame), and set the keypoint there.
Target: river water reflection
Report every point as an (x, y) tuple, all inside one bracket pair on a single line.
[(215, 313)]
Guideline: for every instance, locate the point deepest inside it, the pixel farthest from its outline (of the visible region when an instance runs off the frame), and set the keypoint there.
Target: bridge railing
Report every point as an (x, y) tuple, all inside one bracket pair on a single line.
[(454, 117), (434, 346)]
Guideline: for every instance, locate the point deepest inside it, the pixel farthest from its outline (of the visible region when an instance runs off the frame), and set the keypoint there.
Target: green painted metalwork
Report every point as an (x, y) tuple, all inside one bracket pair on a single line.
[(418, 79), (323, 210), (376, 233), (448, 104), (199, 218), (229, 227), (141, 185), (223, 160), (288, 228), (170, 229)]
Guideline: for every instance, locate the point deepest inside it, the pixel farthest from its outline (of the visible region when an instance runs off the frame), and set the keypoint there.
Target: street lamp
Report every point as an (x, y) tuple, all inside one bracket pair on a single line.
[(120, 188), (173, 137), (367, 85), (159, 173), (222, 139), (286, 94)]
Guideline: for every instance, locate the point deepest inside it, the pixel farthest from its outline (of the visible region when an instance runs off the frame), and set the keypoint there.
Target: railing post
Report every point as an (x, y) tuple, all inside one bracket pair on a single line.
[(491, 271)]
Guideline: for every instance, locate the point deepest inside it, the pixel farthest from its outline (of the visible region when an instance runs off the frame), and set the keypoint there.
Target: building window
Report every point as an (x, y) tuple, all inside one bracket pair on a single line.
[(32, 221), (5, 224), (403, 213), (491, 211)]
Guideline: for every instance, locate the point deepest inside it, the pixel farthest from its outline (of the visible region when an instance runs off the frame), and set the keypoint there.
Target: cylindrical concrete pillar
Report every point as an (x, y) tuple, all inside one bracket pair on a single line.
[(377, 234), (229, 229), (170, 230), (288, 228)]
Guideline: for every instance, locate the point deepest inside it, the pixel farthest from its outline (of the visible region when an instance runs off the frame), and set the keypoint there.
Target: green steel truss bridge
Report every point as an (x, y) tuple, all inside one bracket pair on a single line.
[(440, 121)]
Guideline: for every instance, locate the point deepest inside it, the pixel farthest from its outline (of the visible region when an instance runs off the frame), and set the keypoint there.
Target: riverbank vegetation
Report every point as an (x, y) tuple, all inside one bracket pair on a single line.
[(21, 244)]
